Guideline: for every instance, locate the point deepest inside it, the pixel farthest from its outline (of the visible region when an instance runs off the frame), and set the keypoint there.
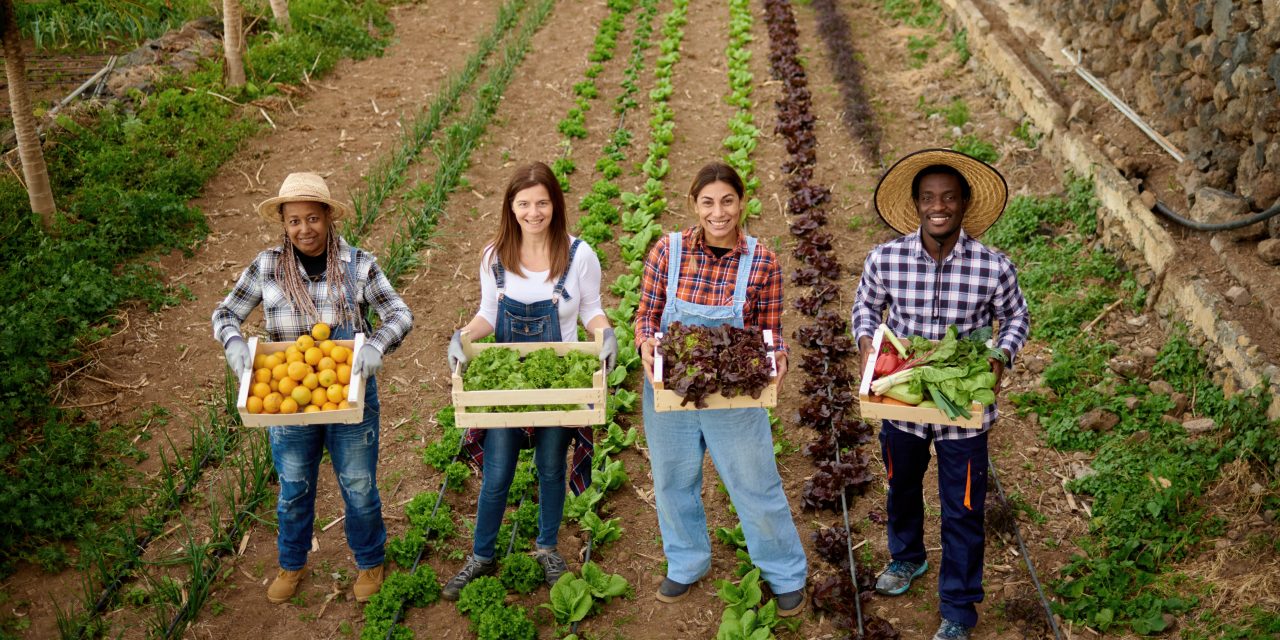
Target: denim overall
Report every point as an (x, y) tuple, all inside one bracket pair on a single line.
[(741, 446), (524, 322), (353, 449)]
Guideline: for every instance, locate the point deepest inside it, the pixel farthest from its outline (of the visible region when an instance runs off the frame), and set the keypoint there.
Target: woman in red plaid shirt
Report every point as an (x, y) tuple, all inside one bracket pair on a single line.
[(714, 274)]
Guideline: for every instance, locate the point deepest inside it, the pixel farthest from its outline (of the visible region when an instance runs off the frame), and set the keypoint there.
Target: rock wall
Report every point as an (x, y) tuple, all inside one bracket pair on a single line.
[(1204, 72)]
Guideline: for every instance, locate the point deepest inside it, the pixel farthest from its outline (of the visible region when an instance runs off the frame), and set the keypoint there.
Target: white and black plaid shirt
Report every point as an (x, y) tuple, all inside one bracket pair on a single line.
[(257, 285), (972, 286)]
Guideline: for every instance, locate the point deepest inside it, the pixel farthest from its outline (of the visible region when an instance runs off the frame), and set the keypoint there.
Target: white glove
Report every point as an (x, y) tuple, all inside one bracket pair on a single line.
[(238, 356), (370, 360), (609, 352), (456, 354)]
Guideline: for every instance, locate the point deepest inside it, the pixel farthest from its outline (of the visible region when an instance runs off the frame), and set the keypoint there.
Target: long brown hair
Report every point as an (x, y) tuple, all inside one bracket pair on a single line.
[(292, 281), (712, 173), (506, 243)]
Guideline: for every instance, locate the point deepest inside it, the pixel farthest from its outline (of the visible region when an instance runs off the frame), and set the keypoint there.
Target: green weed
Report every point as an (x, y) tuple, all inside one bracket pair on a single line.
[(972, 145)]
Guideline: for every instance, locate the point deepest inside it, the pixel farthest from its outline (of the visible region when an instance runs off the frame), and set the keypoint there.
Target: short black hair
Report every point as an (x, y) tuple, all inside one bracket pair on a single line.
[(941, 169)]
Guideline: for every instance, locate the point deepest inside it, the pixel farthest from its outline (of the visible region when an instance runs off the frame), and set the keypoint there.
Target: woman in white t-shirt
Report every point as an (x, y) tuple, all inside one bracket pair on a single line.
[(536, 282)]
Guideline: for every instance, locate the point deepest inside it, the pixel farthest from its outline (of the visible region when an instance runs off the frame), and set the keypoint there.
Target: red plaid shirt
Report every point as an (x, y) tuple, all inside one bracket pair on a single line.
[(706, 279)]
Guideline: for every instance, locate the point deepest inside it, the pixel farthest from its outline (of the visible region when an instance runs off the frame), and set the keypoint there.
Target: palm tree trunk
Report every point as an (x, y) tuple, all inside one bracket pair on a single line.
[(280, 9), (34, 170), (233, 42)]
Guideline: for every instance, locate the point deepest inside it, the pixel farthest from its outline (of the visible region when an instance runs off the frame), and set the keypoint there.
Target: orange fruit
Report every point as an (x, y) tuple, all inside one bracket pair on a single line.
[(260, 361), (311, 381), (320, 331), (311, 408), (271, 403), (275, 384), (340, 354), (294, 357), (326, 364), (313, 356), (280, 372), (344, 405), (336, 393), (329, 406), (261, 390), (273, 360), (305, 342), (290, 350), (301, 396), (263, 374), (318, 396), (327, 377), (287, 385), (288, 405), (326, 347), (298, 370), (254, 404), (344, 373)]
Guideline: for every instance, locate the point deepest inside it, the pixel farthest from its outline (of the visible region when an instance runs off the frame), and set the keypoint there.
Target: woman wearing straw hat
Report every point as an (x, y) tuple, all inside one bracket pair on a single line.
[(314, 276), (713, 274), (937, 275), (536, 283)]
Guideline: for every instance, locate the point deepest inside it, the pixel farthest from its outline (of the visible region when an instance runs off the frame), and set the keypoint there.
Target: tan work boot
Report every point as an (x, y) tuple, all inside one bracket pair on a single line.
[(368, 583), (285, 585)]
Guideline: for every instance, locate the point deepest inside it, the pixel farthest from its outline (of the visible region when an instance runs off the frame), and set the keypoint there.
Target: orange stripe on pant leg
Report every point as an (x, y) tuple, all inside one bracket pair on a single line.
[(888, 459), (968, 475)]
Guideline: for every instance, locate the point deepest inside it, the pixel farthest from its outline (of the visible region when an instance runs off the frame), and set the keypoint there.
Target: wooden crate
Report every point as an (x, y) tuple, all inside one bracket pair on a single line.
[(355, 395), (667, 400), (921, 415), (590, 400)]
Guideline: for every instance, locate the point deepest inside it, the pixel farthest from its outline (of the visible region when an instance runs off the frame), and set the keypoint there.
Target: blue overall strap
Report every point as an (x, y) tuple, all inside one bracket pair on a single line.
[(499, 274), (673, 265), (744, 272), (349, 290), (560, 293)]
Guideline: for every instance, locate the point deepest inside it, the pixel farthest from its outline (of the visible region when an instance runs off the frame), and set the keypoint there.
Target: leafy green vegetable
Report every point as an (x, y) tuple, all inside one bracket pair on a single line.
[(521, 573), (480, 595), (506, 623), (742, 596), (570, 599), (502, 368)]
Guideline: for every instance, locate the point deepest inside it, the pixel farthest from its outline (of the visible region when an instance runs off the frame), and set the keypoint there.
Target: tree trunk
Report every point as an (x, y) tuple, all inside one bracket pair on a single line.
[(233, 42), (34, 170), (280, 9)]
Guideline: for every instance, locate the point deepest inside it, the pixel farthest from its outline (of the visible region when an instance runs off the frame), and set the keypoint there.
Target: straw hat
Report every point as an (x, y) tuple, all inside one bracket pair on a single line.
[(898, 210), (302, 187)]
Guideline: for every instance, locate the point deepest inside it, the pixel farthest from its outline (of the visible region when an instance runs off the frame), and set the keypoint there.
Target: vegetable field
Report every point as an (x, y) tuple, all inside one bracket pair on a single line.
[(134, 505)]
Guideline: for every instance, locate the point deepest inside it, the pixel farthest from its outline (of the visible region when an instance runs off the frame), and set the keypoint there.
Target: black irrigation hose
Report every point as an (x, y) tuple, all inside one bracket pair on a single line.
[(844, 509), (573, 629), (418, 560), (1195, 225), (1017, 531)]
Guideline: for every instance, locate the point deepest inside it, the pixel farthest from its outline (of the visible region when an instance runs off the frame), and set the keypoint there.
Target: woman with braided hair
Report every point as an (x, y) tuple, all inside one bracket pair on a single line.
[(314, 276)]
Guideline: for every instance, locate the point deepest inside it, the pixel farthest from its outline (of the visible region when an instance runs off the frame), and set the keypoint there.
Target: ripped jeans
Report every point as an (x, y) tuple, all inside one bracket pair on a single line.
[(353, 448)]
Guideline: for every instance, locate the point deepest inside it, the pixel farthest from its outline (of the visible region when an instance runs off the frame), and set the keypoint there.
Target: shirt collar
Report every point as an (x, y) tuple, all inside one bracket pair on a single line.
[(739, 248), (958, 251)]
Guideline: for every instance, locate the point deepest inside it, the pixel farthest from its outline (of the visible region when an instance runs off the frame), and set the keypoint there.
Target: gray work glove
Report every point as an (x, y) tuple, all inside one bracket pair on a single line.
[(370, 360), (238, 356), (456, 354), (609, 352)]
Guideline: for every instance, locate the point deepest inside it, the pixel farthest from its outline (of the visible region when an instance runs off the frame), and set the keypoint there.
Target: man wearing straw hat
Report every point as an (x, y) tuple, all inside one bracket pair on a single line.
[(937, 275)]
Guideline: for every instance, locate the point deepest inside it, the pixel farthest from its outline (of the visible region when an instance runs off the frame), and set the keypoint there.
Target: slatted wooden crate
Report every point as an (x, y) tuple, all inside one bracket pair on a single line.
[(667, 400), (921, 415), (355, 394)]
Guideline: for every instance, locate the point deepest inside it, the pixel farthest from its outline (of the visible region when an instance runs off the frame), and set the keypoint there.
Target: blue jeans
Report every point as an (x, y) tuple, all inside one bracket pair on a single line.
[(962, 488), (741, 447), (353, 448), (501, 453)]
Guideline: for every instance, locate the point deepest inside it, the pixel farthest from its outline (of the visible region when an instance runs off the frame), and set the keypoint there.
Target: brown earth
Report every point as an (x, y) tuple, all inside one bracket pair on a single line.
[(349, 119)]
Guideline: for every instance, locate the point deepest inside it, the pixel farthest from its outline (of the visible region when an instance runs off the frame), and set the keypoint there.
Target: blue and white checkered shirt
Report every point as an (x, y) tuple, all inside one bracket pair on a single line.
[(972, 286)]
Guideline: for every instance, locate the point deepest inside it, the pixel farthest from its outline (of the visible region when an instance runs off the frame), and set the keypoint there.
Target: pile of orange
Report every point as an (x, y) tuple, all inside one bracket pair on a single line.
[(311, 375)]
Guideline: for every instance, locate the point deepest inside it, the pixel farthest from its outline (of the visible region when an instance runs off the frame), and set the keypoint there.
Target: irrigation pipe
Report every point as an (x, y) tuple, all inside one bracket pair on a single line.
[(87, 83), (844, 509), (395, 620), (1022, 546), (1195, 225), (1120, 104)]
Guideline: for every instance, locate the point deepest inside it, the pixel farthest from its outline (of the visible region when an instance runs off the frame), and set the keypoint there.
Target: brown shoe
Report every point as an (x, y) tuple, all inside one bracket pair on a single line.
[(285, 585), (368, 583)]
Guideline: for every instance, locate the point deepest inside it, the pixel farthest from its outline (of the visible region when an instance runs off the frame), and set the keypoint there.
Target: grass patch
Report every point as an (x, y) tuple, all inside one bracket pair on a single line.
[(972, 145)]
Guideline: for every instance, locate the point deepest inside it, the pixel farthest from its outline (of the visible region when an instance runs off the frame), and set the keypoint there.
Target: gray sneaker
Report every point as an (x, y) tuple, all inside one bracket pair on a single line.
[(897, 577), (951, 631), (474, 568), (553, 566)]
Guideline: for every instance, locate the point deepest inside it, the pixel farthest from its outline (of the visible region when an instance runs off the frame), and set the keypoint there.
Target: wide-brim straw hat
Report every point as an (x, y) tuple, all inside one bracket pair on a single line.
[(302, 187), (898, 210)]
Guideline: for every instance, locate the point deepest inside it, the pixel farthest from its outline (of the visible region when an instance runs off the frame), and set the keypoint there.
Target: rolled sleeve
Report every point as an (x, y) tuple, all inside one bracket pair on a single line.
[(769, 304), (870, 301)]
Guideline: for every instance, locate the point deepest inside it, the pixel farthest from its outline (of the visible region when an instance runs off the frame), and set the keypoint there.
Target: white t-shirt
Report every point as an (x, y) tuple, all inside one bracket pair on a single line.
[(582, 285)]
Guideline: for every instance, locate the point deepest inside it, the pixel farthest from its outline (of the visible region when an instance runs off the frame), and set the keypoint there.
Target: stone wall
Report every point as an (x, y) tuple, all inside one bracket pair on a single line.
[(1204, 72)]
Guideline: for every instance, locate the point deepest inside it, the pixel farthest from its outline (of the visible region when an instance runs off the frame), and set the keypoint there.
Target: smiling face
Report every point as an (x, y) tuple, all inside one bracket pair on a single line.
[(533, 210), (307, 225), (719, 207), (941, 205)]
